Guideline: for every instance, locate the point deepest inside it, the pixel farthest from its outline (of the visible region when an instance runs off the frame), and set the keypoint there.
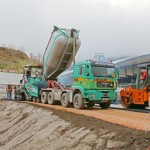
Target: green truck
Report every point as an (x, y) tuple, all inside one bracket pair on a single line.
[(94, 81)]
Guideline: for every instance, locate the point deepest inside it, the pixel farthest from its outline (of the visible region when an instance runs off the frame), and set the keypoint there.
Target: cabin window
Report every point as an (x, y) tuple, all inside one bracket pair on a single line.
[(148, 76), (81, 70)]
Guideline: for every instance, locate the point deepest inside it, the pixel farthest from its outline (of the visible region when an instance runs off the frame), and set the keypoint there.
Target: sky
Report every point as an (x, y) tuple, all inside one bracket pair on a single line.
[(116, 28)]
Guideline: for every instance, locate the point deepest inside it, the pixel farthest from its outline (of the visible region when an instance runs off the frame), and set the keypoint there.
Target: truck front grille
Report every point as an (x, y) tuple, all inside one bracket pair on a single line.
[(105, 84)]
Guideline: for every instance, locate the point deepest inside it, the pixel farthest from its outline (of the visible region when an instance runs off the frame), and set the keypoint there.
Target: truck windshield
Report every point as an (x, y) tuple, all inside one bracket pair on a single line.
[(103, 71), (36, 72)]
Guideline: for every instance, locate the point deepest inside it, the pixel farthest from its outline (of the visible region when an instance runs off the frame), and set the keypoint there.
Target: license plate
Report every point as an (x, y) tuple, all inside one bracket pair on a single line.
[(105, 99)]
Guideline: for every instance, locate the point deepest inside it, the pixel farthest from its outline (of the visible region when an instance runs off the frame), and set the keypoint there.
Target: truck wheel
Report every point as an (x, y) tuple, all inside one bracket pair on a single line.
[(44, 97), (50, 98), (34, 99), (90, 104), (105, 105), (64, 100), (78, 101)]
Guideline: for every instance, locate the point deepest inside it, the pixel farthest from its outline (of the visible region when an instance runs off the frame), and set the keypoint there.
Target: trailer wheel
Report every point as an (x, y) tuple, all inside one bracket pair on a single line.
[(64, 100), (44, 97), (50, 98), (78, 101), (105, 105), (34, 99)]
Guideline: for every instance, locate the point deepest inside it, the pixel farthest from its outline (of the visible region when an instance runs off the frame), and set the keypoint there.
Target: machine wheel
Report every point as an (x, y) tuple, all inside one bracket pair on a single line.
[(105, 105), (126, 102), (44, 97), (38, 100), (78, 101), (64, 100), (23, 97), (19, 98), (90, 104), (34, 99), (50, 98)]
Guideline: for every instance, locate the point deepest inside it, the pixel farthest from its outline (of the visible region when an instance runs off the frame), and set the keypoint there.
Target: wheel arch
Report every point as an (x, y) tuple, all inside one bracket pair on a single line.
[(46, 90), (63, 92), (75, 91)]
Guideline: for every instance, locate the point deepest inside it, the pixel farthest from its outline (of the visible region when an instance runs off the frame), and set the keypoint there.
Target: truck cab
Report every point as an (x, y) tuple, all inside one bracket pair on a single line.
[(96, 82)]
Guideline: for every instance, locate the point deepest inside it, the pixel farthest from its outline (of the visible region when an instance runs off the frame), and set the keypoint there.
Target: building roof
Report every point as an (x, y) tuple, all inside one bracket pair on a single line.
[(133, 61)]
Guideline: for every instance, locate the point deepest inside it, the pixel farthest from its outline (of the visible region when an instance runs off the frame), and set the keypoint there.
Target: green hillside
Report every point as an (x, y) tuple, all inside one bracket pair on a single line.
[(11, 59)]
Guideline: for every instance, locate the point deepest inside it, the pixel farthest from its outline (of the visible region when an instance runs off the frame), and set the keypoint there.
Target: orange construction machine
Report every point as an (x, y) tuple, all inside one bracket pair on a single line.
[(139, 93)]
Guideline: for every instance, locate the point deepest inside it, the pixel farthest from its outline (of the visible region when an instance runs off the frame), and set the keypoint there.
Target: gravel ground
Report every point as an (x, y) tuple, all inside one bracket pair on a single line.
[(25, 126)]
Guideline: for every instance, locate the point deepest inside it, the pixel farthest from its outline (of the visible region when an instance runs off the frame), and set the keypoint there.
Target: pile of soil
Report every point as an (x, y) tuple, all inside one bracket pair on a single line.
[(13, 60), (25, 126)]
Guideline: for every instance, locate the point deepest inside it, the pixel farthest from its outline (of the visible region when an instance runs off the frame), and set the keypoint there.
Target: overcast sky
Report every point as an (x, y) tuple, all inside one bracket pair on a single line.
[(114, 27)]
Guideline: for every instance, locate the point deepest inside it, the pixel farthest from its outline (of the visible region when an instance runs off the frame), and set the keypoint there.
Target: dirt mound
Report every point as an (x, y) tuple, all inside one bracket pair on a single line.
[(10, 53), (24, 126), (11, 59)]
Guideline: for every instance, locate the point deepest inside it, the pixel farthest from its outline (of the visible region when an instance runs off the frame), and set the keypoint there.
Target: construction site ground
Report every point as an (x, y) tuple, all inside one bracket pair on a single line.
[(28, 126)]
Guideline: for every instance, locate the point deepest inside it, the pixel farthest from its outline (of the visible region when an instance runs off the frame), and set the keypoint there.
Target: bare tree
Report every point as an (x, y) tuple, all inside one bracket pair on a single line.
[(32, 56), (22, 49), (4, 45), (39, 57)]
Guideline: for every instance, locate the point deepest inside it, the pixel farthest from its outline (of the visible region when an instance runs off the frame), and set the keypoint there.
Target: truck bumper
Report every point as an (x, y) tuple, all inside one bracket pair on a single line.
[(101, 95)]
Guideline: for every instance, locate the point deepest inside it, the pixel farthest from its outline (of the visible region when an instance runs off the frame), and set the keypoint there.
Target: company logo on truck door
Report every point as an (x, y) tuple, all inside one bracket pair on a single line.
[(32, 89), (78, 79), (102, 80)]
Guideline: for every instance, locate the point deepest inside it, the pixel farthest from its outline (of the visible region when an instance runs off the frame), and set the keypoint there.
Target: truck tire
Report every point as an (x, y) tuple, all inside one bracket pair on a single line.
[(90, 104), (50, 98), (64, 100), (34, 99), (105, 105), (44, 97), (78, 101)]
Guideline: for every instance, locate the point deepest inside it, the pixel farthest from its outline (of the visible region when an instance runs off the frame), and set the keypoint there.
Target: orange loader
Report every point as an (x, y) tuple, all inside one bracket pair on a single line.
[(138, 95)]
